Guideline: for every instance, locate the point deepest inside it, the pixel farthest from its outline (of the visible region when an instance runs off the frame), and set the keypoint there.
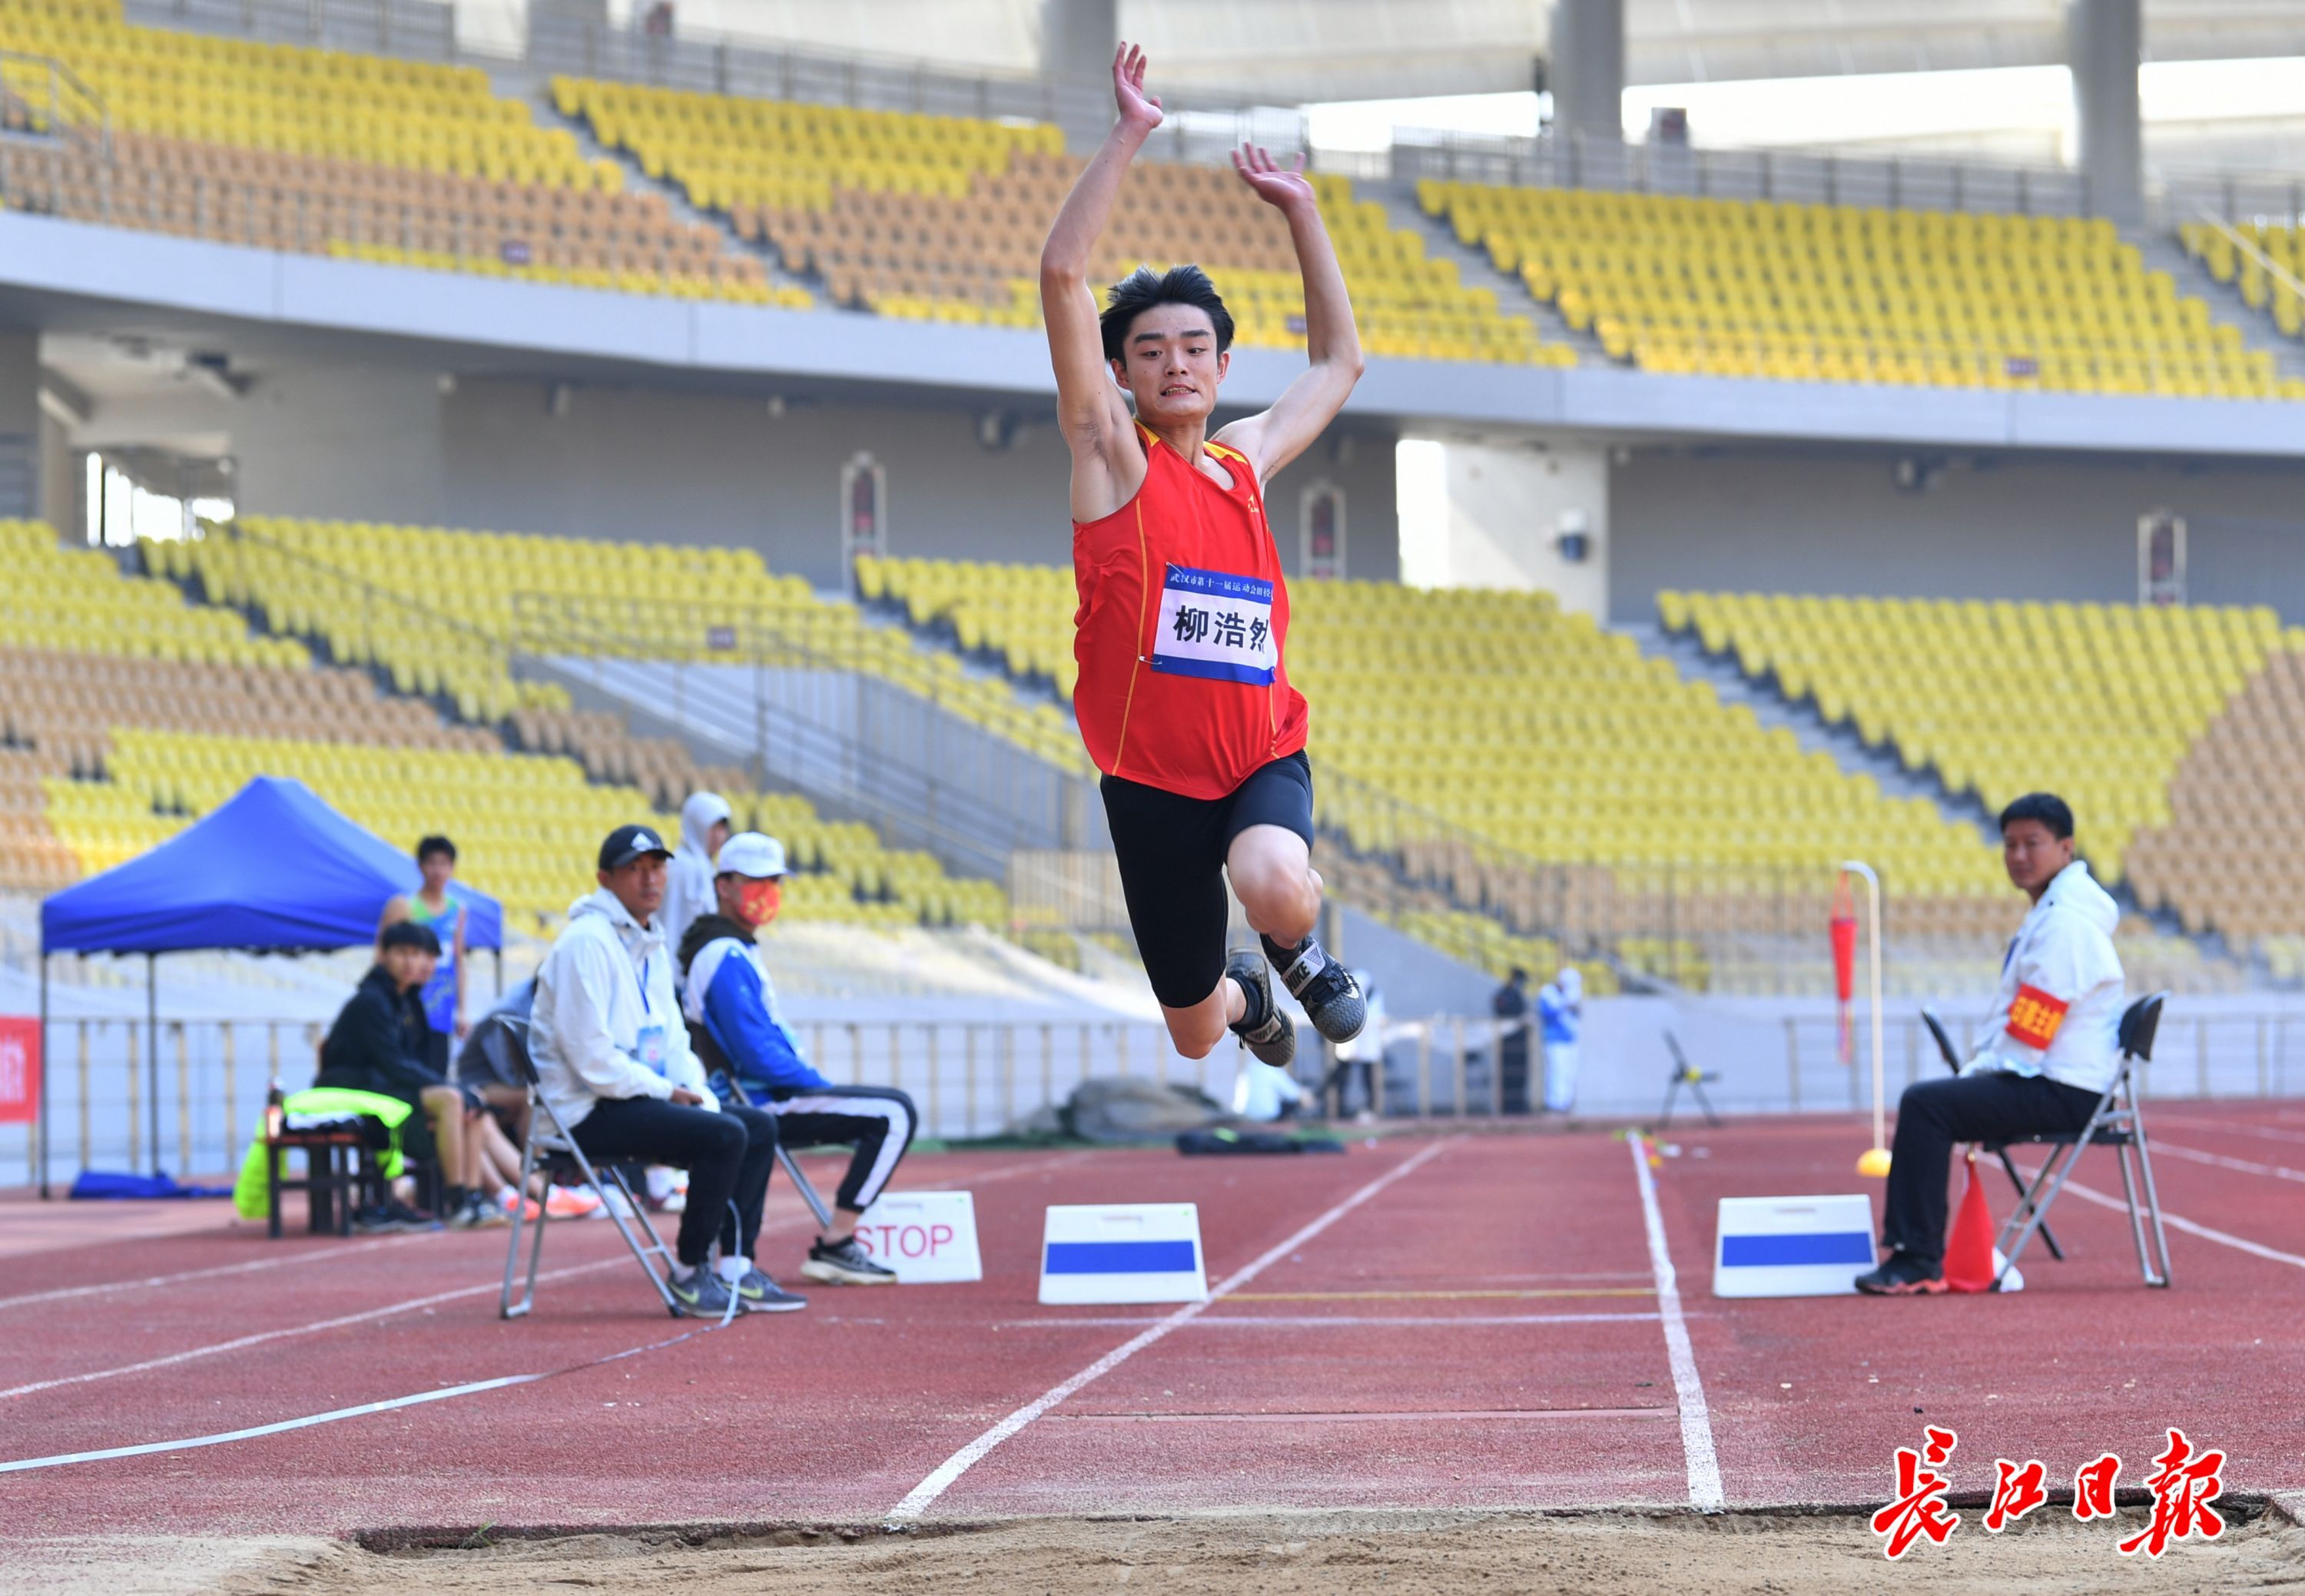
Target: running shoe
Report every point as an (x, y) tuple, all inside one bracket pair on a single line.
[(514, 1204), (471, 1212), (1332, 998), (703, 1295), (400, 1217), (374, 1219), (757, 1294), (1903, 1276), (570, 1202), (846, 1262), (1261, 1025)]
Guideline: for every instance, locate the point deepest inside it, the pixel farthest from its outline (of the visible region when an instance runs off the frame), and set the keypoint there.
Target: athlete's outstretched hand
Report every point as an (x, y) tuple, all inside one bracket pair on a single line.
[(1283, 186), (1137, 108)]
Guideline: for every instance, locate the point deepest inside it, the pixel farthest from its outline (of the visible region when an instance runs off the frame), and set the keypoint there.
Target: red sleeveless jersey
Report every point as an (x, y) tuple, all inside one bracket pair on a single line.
[(1183, 617)]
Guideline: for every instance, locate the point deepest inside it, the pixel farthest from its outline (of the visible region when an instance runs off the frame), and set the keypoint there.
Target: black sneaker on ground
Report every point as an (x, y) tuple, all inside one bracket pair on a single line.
[(703, 1295), (399, 1216), (757, 1294), (1903, 1276), (846, 1262), (1261, 1025), (1332, 998), (374, 1219)]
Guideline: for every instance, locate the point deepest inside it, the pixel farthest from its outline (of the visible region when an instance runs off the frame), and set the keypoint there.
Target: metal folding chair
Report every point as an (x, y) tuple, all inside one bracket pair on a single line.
[(800, 1184), (557, 1154), (2116, 1123), (1685, 1074)]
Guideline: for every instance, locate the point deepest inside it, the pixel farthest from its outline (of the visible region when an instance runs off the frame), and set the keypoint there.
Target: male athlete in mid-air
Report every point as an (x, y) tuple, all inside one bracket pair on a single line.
[(1183, 699)]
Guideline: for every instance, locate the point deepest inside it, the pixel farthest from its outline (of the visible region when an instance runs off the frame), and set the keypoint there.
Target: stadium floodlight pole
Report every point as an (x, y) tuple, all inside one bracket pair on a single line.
[(1875, 1160)]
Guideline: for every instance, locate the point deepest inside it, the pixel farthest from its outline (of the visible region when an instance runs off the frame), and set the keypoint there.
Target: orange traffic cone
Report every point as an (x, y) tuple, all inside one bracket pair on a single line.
[(1968, 1246)]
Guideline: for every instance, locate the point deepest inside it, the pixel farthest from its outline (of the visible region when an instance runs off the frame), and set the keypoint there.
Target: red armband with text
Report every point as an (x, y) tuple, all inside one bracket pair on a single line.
[(2035, 1017)]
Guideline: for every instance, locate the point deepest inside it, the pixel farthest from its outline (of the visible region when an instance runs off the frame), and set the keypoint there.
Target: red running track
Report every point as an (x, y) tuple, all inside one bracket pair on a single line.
[(1482, 1330)]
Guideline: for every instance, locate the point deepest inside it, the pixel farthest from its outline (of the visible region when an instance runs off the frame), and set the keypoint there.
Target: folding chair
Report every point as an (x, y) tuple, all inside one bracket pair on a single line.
[(800, 1184), (2116, 1123), (1685, 1074), (557, 1154)]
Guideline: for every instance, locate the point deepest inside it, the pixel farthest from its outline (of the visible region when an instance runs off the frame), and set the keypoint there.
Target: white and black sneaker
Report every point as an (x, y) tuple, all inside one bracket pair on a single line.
[(1332, 997), (845, 1262), (1261, 1025)]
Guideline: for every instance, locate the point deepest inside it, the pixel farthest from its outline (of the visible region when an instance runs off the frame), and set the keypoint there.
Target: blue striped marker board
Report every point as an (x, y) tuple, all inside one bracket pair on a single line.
[(1792, 1246), (1123, 1252)]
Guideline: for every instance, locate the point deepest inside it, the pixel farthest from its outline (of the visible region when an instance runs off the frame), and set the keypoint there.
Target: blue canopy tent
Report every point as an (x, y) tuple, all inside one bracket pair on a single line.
[(273, 870)]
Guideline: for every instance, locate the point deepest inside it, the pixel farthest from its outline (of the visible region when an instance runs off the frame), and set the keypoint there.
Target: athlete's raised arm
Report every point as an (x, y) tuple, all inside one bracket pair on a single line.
[(1089, 405), (1273, 438)]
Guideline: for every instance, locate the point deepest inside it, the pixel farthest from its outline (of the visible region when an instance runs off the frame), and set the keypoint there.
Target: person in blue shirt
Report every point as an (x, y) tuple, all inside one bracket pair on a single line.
[(755, 1057), (1560, 1010)]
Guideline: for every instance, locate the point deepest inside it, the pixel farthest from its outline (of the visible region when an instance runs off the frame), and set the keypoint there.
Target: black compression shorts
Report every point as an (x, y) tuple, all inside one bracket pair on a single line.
[(1172, 850)]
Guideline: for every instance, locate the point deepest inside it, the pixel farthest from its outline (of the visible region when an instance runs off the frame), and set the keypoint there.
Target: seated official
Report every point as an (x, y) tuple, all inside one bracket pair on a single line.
[(2050, 1049), (613, 1062), (380, 1043), (731, 1005)]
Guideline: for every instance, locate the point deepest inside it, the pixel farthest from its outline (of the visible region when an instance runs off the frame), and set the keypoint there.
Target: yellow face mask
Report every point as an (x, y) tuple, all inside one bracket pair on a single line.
[(761, 899)]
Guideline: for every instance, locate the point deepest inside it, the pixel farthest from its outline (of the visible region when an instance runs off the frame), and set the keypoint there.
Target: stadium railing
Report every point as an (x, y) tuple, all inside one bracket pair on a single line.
[(1574, 160), (911, 760), (986, 1078)]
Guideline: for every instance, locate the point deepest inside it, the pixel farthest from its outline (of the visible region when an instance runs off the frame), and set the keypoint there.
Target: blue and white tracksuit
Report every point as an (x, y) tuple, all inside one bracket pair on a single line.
[(730, 997)]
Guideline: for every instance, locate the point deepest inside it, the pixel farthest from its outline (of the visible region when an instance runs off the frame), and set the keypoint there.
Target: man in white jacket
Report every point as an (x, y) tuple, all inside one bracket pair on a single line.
[(705, 823), (613, 1060), (2051, 1048)]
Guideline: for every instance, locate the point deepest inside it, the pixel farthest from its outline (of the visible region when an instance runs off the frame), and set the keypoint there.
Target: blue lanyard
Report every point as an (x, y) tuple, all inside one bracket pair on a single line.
[(646, 1012)]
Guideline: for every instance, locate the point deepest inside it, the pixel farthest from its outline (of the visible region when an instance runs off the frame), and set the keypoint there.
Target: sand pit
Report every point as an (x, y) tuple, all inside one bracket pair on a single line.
[(1232, 1555)]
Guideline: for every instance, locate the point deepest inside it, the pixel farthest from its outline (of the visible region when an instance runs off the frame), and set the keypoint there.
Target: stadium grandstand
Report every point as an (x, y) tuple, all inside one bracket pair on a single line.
[(1778, 441)]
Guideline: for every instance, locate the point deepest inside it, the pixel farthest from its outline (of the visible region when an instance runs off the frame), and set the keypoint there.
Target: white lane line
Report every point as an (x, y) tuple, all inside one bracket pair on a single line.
[(1705, 1493), (414, 1303), (261, 1336), (2278, 1172), (941, 1480), (1226, 1321), (336, 1415), (253, 1431), (278, 1260), (2220, 1128), (2237, 1243)]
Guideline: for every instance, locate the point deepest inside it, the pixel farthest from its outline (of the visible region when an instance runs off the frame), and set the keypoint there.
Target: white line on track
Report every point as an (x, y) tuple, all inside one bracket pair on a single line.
[(336, 1415), (1704, 1493), (1225, 1321), (261, 1336), (278, 1260), (2224, 1128), (921, 1497), (2278, 1172), (249, 1433), (2237, 1243)]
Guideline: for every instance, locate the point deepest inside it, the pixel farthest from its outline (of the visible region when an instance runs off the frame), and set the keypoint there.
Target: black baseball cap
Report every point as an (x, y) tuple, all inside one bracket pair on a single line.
[(629, 842)]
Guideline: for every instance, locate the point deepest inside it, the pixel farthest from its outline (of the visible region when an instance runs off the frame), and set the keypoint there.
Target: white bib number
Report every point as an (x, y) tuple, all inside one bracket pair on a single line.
[(1217, 626)]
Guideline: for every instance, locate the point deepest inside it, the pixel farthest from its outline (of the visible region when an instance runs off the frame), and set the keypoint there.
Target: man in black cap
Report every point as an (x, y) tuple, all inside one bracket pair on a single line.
[(613, 1060), (380, 1044)]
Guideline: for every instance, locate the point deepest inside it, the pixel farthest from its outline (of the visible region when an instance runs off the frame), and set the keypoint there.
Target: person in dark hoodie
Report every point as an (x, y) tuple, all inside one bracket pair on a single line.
[(731, 1007), (380, 1044)]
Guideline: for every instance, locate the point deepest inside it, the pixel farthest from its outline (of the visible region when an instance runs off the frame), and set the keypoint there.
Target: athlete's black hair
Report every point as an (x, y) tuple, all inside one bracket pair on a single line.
[(2047, 808), (1143, 288), (429, 845), (408, 934)]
